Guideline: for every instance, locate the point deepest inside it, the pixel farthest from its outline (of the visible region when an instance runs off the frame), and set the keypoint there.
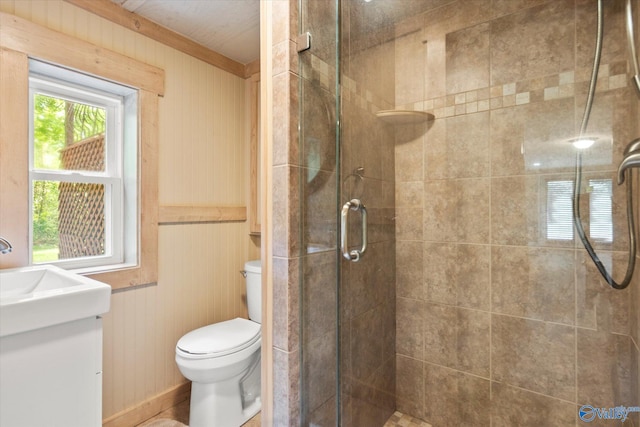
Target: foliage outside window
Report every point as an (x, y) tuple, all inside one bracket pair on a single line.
[(58, 124)]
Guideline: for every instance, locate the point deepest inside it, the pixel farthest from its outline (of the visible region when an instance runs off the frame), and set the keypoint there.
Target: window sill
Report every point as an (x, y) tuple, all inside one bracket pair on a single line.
[(118, 276), (86, 271)]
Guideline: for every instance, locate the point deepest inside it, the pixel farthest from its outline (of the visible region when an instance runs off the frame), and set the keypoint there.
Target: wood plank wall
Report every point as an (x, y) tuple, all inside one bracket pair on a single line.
[(204, 159)]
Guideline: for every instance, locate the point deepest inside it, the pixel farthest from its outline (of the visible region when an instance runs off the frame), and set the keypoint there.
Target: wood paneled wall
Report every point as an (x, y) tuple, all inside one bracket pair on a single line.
[(204, 156)]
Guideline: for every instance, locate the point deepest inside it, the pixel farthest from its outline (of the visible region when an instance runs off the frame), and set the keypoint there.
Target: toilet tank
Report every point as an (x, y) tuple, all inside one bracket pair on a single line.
[(253, 271)]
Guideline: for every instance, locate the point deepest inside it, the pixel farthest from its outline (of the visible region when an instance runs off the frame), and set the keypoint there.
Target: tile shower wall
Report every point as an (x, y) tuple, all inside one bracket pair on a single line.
[(497, 321), (502, 319), (286, 220)]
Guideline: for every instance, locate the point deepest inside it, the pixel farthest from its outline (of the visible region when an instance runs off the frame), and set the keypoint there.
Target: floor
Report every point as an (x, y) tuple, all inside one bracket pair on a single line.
[(398, 419), (178, 416)]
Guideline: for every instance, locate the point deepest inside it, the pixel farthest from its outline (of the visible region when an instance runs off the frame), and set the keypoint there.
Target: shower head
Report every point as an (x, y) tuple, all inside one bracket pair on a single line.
[(632, 46)]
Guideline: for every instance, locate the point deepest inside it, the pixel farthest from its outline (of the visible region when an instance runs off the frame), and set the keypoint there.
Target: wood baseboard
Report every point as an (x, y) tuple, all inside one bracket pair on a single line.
[(149, 408)]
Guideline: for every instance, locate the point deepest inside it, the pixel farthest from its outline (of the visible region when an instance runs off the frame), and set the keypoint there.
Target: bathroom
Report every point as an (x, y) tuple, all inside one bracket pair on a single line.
[(454, 335)]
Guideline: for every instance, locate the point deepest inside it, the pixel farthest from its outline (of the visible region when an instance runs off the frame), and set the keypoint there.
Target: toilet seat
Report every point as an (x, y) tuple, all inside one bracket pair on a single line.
[(219, 339)]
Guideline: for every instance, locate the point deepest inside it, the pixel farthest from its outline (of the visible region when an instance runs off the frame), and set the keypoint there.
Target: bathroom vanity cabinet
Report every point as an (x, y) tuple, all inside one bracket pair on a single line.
[(52, 376)]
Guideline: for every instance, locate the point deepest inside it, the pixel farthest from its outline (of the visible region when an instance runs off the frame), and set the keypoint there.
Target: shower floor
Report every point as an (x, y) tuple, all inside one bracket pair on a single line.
[(399, 419)]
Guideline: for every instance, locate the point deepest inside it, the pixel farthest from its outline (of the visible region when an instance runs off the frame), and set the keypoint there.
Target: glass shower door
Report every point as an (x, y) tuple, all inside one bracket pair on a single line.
[(347, 157), (367, 174)]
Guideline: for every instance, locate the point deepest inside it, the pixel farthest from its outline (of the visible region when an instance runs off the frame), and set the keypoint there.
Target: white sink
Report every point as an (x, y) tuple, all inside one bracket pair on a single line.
[(40, 296)]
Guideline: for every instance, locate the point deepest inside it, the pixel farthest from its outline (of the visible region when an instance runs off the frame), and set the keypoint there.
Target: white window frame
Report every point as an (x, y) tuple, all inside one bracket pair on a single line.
[(120, 177), (559, 225), (601, 210)]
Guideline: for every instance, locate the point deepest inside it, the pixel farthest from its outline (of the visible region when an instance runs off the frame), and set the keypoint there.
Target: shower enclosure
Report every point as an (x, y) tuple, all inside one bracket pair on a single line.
[(452, 122)]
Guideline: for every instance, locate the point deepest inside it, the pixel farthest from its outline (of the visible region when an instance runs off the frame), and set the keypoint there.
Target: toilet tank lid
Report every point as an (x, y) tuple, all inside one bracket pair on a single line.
[(253, 266), (220, 338)]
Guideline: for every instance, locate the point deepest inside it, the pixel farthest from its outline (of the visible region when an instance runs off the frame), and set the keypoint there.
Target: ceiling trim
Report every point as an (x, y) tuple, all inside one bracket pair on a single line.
[(141, 25), (43, 43), (252, 68)]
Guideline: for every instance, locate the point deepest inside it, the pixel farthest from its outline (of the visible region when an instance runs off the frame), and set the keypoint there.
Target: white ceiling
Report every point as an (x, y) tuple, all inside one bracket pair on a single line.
[(229, 27)]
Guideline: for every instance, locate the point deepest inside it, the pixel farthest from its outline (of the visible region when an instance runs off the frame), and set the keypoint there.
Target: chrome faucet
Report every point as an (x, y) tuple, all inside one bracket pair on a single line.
[(631, 159), (5, 246)]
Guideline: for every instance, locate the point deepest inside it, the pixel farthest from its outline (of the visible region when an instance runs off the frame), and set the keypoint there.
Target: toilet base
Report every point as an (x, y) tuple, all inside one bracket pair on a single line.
[(220, 403), (224, 411)]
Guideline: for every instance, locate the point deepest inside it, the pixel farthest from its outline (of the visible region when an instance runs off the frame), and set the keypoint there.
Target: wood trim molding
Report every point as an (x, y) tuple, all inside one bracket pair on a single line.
[(43, 43), (253, 97), (266, 213), (147, 270), (150, 407), (14, 179), (141, 25), (182, 214), (252, 68)]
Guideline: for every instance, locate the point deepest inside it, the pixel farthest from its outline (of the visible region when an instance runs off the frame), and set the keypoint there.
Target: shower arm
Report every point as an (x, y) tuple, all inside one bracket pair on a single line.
[(578, 175), (632, 47), (631, 159)]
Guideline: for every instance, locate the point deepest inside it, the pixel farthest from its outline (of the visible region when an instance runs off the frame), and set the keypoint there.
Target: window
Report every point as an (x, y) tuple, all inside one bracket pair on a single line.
[(27, 46), (601, 210), (82, 169), (560, 210)]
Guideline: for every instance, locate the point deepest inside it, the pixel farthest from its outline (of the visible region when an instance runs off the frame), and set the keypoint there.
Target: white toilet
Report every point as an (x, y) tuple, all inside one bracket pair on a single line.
[(223, 363)]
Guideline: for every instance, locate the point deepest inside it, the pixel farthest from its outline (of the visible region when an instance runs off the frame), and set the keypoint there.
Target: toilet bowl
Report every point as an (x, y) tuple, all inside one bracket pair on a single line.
[(222, 361)]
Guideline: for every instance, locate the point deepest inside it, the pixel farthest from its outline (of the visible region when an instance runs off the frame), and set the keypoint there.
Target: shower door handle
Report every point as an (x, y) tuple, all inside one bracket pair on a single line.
[(355, 254)]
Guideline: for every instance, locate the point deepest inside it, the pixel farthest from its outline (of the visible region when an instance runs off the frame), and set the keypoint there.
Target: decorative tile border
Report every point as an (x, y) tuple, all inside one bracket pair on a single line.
[(557, 86)]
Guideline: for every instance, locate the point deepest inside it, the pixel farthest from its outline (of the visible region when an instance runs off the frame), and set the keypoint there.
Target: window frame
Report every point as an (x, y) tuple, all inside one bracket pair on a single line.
[(559, 210), (600, 210), (112, 178), (21, 40)]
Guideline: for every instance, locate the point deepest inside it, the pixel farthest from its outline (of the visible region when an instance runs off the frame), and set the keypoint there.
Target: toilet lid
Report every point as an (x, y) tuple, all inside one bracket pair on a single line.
[(221, 338)]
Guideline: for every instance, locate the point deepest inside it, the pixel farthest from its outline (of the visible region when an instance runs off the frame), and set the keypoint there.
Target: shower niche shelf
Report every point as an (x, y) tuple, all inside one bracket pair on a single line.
[(402, 117)]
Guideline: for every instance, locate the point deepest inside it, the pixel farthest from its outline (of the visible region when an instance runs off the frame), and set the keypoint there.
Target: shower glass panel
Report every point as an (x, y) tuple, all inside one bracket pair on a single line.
[(453, 122), (318, 177), (348, 308)]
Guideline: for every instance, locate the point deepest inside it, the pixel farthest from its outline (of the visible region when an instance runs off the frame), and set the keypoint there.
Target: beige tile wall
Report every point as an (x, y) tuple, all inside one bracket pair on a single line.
[(495, 317), (496, 324), (286, 217)]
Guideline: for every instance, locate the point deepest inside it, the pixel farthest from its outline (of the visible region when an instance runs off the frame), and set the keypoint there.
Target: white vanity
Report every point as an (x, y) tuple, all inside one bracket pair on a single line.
[(51, 348)]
